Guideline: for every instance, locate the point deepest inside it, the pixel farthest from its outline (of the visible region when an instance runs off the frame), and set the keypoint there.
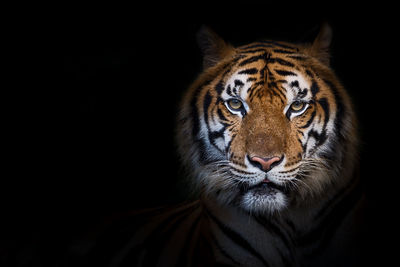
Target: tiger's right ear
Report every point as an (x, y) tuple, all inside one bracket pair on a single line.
[(213, 47), (321, 44)]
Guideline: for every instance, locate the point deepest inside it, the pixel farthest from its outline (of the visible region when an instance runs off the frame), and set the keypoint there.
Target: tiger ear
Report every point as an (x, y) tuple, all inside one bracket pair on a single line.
[(321, 44), (213, 47)]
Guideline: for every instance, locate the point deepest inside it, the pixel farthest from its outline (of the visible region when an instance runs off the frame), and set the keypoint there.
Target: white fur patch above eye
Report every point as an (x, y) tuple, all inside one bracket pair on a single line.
[(297, 87), (237, 86)]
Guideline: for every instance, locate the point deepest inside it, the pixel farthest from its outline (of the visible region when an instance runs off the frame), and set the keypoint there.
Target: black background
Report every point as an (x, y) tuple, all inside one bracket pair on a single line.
[(98, 136)]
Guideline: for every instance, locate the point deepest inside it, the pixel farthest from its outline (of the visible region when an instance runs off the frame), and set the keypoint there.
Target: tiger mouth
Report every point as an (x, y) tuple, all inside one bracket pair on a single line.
[(266, 187)]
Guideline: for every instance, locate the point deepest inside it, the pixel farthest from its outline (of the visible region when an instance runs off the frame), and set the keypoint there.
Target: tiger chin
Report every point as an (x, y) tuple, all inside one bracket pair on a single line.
[(267, 127)]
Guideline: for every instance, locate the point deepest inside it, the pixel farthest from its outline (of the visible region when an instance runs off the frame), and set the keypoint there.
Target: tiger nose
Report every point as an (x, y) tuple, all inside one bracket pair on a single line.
[(265, 163)]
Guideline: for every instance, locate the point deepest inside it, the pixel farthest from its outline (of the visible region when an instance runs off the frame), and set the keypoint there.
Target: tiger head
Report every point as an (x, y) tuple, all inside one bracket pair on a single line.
[(267, 125)]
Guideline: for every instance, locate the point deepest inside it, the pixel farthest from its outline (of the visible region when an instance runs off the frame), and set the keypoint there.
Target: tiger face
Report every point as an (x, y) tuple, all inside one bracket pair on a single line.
[(266, 125)]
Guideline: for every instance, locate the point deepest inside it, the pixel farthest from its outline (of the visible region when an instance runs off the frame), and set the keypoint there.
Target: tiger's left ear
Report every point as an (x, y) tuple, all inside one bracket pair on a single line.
[(213, 47), (321, 44)]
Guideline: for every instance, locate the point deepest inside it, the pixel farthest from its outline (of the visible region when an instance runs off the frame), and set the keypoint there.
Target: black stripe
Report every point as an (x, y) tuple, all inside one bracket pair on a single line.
[(212, 135), (309, 73), (277, 92), (273, 229), (254, 89), (219, 87), (269, 44), (279, 44), (227, 67), (206, 104), (249, 71), (256, 45), (237, 238), (215, 135), (285, 73), (300, 58), (340, 110), (309, 121), (221, 117), (196, 124), (229, 145), (320, 138), (239, 83), (229, 90), (294, 84), (314, 88), (253, 59), (280, 51), (324, 104), (305, 144), (302, 93), (262, 73), (254, 51), (301, 133), (281, 62)]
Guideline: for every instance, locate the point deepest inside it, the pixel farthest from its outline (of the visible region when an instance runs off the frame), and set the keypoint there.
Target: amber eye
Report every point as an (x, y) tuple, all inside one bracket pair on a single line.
[(297, 106), (235, 104)]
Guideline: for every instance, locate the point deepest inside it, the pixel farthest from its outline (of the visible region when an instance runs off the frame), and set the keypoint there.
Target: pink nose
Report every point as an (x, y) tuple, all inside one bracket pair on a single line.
[(266, 163)]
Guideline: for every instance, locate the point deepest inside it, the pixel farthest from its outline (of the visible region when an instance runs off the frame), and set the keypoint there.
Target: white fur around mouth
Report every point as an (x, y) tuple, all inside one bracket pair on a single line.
[(263, 198)]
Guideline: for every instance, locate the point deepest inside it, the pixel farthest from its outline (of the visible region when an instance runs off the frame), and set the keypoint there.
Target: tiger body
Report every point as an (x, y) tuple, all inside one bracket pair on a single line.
[(269, 137)]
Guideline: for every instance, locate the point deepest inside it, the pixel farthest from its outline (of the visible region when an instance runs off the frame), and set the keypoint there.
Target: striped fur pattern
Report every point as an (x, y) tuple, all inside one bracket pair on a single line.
[(268, 135)]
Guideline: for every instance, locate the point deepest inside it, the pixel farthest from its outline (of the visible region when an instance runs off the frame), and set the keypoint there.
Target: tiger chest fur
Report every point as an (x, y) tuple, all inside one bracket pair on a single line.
[(268, 135)]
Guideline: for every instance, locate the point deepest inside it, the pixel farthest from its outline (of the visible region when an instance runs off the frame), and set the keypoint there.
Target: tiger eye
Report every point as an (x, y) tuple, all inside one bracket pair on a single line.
[(235, 104), (297, 106)]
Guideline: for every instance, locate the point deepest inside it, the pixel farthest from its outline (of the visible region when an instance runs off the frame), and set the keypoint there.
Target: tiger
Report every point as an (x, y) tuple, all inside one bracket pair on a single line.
[(269, 138)]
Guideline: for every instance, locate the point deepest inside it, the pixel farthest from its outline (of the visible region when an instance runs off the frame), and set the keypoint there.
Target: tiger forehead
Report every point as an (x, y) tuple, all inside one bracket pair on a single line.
[(269, 69), (284, 55)]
